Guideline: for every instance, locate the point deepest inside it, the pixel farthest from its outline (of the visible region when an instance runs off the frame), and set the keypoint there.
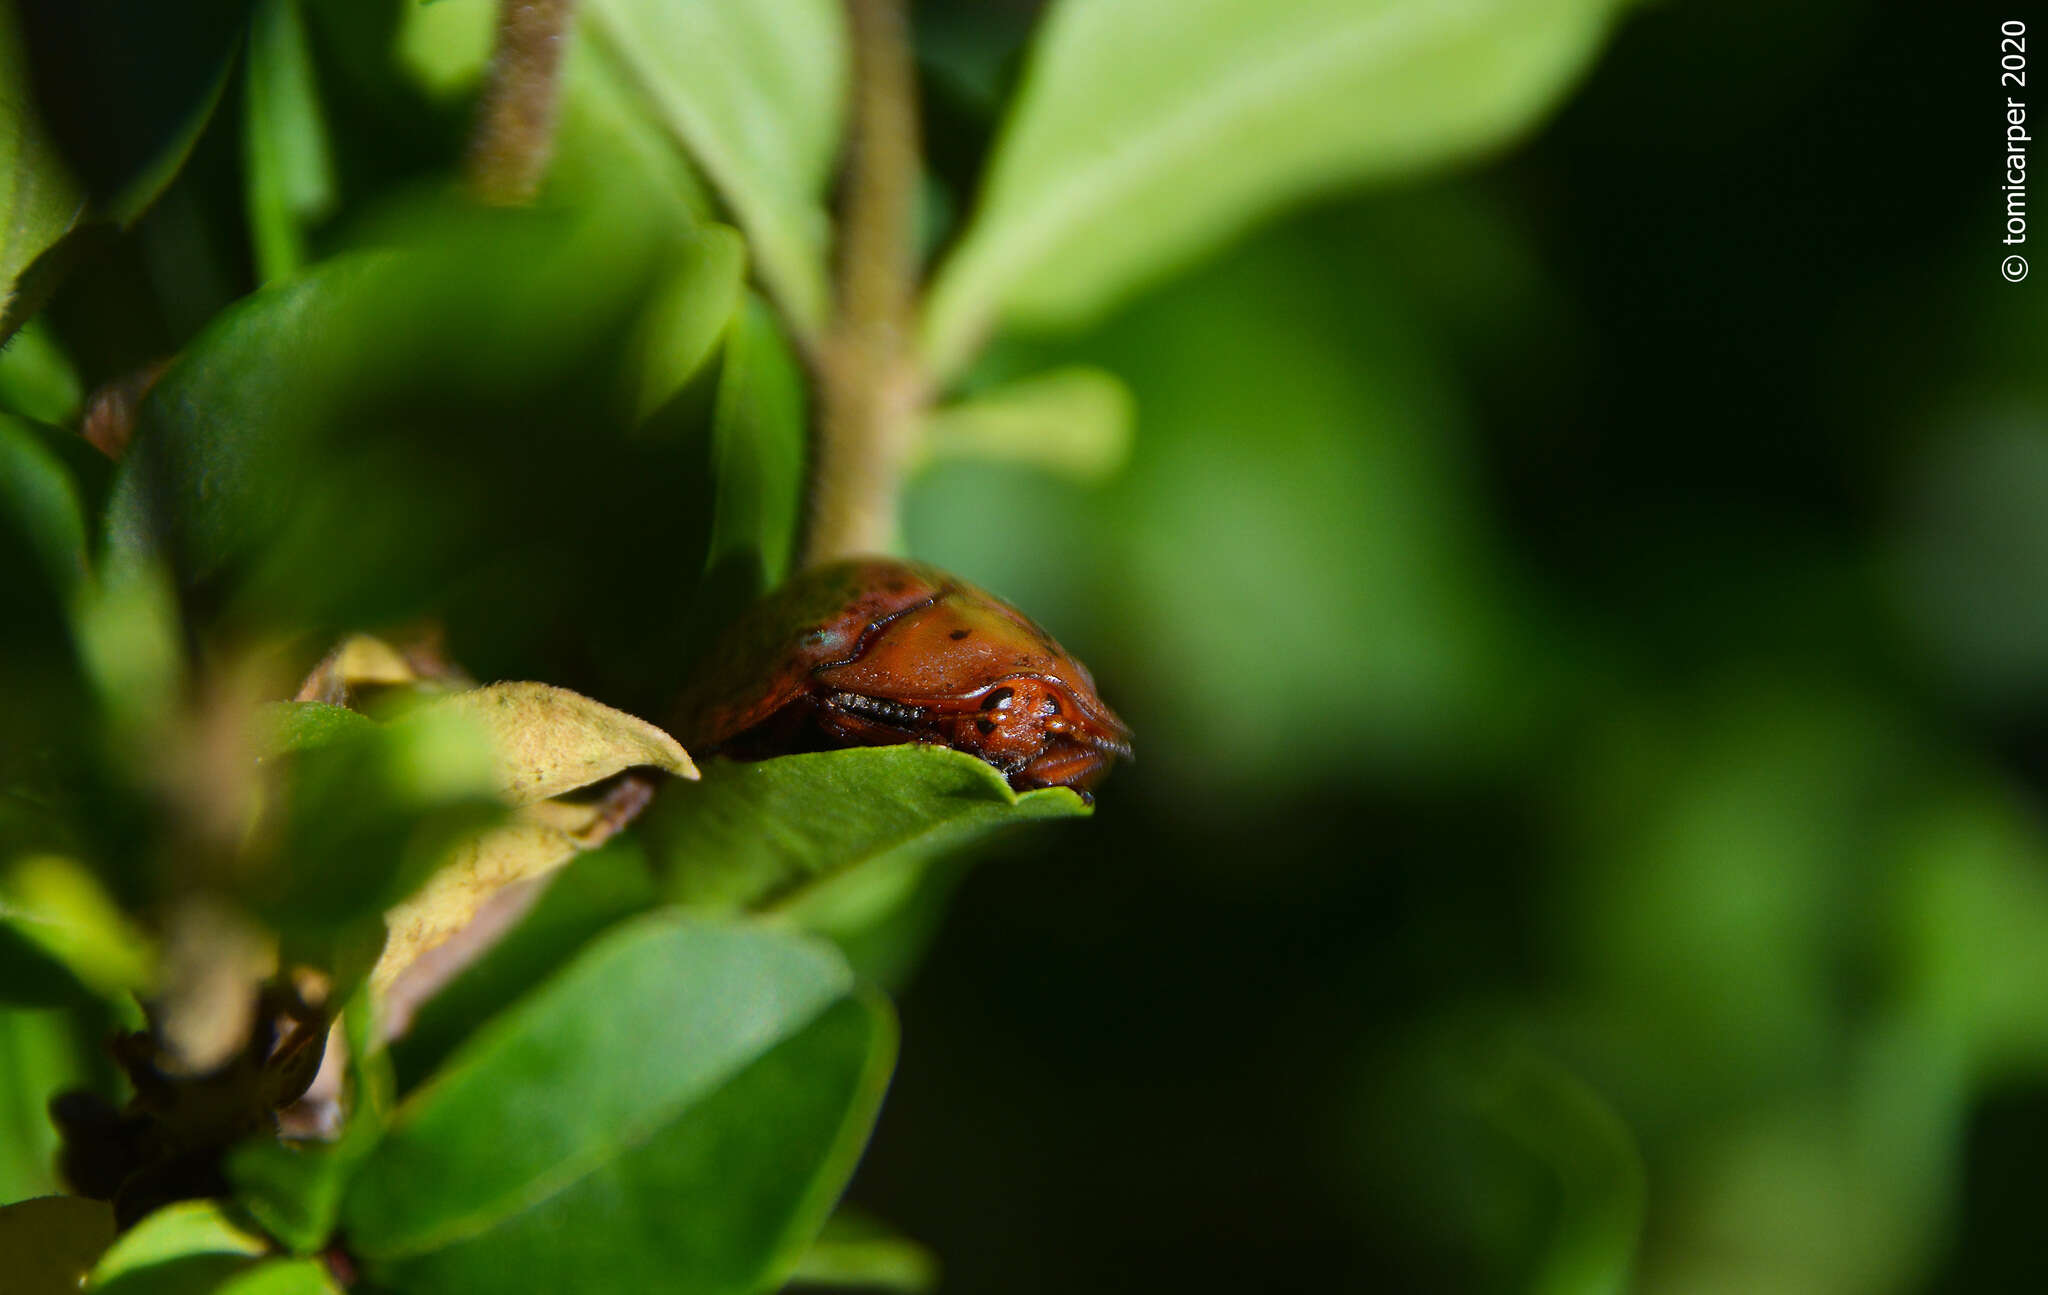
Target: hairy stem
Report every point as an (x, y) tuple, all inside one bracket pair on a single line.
[(870, 390), (515, 129)]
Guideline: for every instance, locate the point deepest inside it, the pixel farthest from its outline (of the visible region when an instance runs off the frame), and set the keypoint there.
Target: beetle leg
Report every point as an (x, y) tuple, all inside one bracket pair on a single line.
[(859, 725)]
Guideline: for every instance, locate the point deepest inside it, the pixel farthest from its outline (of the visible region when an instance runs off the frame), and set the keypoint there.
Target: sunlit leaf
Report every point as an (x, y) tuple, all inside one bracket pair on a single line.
[(1146, 131), (185, 1237), (764, 832), (753, 90), (593, 893), (685, 317), (522, 1162), (283, 1277), (720, 1200)]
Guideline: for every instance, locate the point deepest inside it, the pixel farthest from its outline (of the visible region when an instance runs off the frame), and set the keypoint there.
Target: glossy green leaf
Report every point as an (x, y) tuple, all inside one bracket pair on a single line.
[(721, 1200), (186, 1246), (594, 892), (753, 90), (1146, 131), (49, 1244), (1075, 421), (760, 435), (764, 833), (283, 1277), (40, 199), (284, 144), (645, 1025)]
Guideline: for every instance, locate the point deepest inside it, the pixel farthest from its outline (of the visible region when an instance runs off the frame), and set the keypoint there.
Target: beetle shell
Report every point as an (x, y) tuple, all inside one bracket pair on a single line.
[(877, 652)]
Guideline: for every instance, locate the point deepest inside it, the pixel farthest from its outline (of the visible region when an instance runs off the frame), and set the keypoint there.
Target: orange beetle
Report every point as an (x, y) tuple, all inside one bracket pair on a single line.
[(876, 652)]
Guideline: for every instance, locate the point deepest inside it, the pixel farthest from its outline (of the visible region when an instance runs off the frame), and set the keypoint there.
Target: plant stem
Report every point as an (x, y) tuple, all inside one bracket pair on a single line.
[(870, 390), (515, 129)]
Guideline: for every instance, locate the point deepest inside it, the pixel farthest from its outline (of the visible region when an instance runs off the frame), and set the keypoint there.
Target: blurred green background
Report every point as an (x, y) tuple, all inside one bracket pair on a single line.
[(1586, 623), (1584, 615)]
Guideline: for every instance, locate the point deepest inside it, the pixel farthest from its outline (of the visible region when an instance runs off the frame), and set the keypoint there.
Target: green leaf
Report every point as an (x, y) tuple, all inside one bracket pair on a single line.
[(37, 380), (1075, 421), (283, 1277), (287, 726), (40, 199), (693, 307), (764, 832), (284, 142), (185, 1246), (721, 1200), (446, 45), (42, 1053), (543, 1101), (753, 89), (605, 135), (759, 444), (57, 905), (39, 503), (294, 1191), (857, 1252), (48, 1245), (407, 375), (593, 893), (363, 819), (1147, 131), (124, 92)]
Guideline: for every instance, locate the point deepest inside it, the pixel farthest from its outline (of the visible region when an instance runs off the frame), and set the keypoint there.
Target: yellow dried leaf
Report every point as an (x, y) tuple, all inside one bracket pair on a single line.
[(550, 740), (517, 851)]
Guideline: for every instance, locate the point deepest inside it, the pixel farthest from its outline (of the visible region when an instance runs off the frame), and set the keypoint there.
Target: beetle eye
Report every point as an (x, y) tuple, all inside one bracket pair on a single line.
[(999, 697), (985, 726), (1052, 704)]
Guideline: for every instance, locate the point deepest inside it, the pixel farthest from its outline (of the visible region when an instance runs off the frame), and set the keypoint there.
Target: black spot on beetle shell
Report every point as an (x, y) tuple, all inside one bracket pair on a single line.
[(957, 635), (985, 726)]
